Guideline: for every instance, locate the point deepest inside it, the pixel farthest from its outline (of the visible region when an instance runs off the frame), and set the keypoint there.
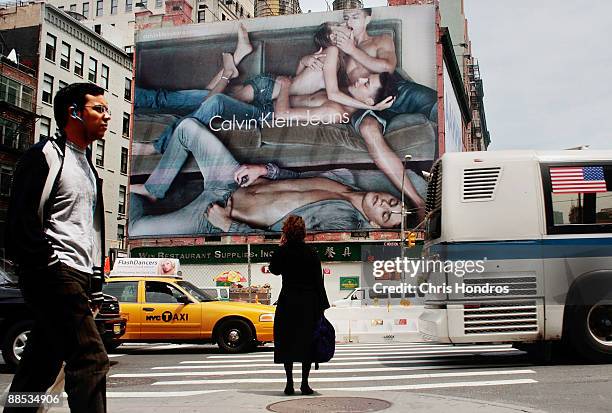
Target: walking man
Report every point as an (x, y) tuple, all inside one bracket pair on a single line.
[(55, 226)]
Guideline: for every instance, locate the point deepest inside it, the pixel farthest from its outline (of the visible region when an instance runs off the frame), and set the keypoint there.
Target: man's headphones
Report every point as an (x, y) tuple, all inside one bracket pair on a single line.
[(73, 112)]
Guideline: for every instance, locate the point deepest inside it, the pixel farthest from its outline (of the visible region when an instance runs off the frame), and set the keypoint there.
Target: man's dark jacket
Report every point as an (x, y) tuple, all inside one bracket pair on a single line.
[(33, 194)]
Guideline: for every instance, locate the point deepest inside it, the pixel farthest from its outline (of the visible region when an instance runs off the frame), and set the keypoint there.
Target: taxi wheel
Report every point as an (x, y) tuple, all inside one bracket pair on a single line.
[(234, 336), (15, 341)]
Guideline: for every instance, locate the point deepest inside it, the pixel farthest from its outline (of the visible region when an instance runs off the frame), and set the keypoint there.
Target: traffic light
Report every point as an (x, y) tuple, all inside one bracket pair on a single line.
[(411, 239)]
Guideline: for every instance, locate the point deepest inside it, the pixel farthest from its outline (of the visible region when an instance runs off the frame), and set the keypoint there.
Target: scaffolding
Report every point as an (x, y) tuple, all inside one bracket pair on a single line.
[(477, 138), (347, 4), (265, 8)]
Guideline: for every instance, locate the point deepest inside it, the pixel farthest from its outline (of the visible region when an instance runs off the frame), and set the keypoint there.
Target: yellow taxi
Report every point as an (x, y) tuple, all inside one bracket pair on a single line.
[(172, 310)]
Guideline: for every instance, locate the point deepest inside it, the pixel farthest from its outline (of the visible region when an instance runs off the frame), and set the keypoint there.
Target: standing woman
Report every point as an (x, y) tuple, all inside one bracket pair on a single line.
[(301, 303)]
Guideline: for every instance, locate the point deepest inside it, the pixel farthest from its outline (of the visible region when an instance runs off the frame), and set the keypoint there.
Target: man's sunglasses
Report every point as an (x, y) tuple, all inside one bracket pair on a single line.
[(100, 109)]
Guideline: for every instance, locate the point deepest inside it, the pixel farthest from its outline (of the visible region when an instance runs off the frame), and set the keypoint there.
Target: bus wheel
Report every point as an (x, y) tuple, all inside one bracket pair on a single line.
[(591, 330)]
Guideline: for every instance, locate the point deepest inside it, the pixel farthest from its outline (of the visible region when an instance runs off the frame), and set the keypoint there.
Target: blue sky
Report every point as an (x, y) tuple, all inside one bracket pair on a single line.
[(546, 70)]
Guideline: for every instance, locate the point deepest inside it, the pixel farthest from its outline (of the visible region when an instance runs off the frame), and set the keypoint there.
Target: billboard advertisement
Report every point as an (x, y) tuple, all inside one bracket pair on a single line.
[(453, 121), (240, 124)]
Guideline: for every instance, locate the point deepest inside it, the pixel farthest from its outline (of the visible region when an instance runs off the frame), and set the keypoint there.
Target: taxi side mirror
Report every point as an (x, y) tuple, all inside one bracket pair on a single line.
[(183, 299)]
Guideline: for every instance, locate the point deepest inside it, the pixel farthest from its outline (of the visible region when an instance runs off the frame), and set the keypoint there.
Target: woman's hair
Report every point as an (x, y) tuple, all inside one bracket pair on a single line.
[(160, 265), (322, 39), (294, 229)]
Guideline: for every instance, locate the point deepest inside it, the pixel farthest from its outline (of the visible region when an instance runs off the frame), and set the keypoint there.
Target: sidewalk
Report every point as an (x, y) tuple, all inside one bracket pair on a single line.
[(257, 401)]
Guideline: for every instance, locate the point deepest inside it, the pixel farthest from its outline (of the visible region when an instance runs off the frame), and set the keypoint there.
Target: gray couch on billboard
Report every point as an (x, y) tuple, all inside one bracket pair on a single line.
[(193, 62)]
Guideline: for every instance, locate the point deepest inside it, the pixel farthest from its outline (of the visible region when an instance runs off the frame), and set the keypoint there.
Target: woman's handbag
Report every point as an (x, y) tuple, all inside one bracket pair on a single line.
[(323, 342)]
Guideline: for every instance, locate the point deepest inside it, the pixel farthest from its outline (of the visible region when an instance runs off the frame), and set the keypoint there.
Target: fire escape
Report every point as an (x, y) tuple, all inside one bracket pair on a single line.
[(18, 117), (478, 136)]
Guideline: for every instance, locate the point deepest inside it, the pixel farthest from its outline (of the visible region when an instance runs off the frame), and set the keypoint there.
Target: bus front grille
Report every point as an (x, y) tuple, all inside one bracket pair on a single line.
[(505, 317), (515, 286)]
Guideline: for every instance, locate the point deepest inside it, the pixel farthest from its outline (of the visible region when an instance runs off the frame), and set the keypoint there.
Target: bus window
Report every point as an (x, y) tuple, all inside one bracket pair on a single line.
[(580, 198)]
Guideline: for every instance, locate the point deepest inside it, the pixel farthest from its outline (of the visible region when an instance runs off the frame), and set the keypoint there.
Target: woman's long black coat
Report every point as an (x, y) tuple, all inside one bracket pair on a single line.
[(301, 303)]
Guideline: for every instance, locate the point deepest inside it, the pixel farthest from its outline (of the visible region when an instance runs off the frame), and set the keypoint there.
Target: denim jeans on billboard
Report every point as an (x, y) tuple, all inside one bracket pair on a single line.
[(182, 100), (169, 165), (411, 98), (164, 99), (202, 110), (217, 166)]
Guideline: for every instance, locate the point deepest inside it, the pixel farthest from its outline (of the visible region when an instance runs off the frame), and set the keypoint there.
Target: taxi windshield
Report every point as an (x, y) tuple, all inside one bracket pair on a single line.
[(194, 291)]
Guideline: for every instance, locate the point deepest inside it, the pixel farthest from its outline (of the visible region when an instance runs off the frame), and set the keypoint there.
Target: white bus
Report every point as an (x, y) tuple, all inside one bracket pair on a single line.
[(541, 225)]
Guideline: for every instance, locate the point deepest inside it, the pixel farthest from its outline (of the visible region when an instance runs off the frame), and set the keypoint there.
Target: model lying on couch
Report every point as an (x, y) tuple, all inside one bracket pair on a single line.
[(269, 195)]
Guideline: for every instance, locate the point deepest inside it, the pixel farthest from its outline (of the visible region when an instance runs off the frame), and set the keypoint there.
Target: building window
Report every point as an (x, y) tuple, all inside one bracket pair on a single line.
[(45, 127), (73, 7), (47, 95), (104, 76), (201, 16), (15, 93), (93, 70), (114, 4), (99, 7), (86, 10), (50, 47), (124, 160), (127, 93), (100, 154), (9, 133), (6, 176), (98, 28), (65, 56), (61, 84), (128, 5), (121, 208), (27, 98), (126, 125), (120, 235), (78, 62), (159, 3)]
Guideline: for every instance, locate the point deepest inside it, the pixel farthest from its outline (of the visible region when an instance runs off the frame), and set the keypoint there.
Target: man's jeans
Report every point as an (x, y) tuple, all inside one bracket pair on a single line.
[(411, 98), (219, 105), (217, 166), (64, 330)]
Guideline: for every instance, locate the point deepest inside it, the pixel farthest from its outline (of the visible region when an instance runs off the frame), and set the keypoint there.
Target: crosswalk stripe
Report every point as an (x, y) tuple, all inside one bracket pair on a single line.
[(420, 360), (353, 379), (156, 394), (473, 349), (433, 354), (433, 385), (323, 371)]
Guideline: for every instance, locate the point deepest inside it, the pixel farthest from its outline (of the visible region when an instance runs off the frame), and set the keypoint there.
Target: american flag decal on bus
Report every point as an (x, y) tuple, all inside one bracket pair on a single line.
[(567, 180)]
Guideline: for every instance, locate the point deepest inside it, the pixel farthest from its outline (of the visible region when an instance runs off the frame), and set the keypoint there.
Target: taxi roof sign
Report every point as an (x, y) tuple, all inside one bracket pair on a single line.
[(142, 267)]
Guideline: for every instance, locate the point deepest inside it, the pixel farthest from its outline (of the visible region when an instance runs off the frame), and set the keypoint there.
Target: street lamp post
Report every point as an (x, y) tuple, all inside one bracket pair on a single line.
[(403, 213)]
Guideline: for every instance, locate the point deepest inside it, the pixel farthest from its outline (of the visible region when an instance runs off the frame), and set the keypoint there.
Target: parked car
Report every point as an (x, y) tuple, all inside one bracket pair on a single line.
[(16, 318), (171, 310), (218, 293)]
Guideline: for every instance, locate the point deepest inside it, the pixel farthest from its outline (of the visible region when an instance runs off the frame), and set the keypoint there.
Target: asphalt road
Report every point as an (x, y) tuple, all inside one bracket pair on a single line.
[(492, 373)]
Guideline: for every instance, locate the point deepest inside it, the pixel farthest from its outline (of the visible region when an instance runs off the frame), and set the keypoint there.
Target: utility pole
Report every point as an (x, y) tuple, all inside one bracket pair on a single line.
[(403, 214)]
